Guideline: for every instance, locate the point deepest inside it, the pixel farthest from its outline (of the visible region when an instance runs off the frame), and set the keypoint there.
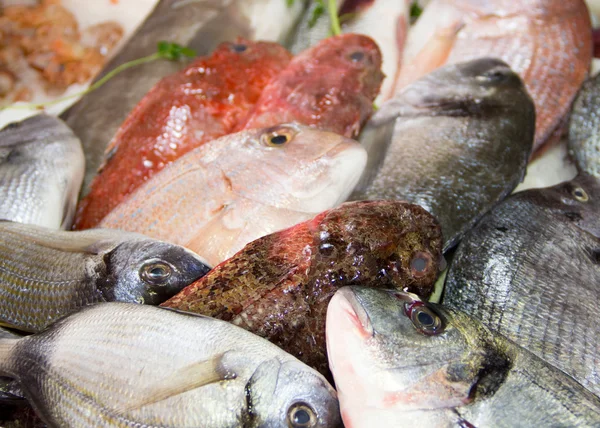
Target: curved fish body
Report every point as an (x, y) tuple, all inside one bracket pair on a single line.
[(204, 101), (47, 274), (547, 42), (530, 271), (330, 86), (198, 24), (584, 128), (226, 193), (399, 361), (41, 170), (456, 142), (96, 368), (278, 286)]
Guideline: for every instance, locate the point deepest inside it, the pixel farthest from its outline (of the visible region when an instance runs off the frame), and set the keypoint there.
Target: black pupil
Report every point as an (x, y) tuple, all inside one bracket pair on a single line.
[(419, 264), (239, 48), (357, 56), (425, 319), (278, 139), (157, 272), (579, 193), (301, 417)]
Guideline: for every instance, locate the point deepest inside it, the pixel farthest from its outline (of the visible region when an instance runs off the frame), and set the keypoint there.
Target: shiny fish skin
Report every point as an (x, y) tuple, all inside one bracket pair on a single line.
[(226, 193), (456, 142), (123, 365), (278, 286), (530, 270), (46, 274), (584, 128), (390, 374), (41, 170)]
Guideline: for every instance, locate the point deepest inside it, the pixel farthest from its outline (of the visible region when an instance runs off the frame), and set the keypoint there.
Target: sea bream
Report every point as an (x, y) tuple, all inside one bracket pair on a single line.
[(226, 193), (41, 170), (118, 364)]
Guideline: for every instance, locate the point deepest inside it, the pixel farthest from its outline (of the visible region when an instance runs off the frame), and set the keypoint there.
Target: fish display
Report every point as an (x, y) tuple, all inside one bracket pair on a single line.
[(530, 271), (330, 86), (226, 193), (206, 100), (547, 42), (197, 24), (584, 128), (278, 286), (41, 170), (400, 361), (46, 274), (456, 142)]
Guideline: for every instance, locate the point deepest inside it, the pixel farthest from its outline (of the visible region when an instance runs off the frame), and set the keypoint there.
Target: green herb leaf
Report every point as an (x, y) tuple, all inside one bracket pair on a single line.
[(415, 10), (173, 51), (289, 3), (333, 17), (317, 12)]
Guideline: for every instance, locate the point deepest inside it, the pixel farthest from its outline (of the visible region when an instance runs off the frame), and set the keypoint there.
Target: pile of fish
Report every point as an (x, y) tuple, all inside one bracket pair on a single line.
[(252, 238)]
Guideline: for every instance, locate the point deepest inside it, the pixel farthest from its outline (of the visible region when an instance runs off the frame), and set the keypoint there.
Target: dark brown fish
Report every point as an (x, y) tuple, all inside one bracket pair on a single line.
[(279, 286)]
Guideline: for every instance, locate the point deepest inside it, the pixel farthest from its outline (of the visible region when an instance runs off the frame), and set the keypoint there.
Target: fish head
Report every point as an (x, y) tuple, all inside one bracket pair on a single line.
[(392, 244), (149, 271), (391, 350), (298, 168), (289, 393)]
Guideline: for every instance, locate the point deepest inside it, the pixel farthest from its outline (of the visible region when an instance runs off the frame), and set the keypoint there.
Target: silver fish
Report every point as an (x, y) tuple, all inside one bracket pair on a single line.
[(584, 128)]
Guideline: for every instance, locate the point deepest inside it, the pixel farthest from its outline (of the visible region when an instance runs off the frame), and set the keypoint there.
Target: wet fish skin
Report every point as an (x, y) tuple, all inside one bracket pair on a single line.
[(443, 369), (278, 286), (46, 274), (226, 193), (456, 142), (41, 170), (204, 101), (210, 373), (530, 270), (584, 128)]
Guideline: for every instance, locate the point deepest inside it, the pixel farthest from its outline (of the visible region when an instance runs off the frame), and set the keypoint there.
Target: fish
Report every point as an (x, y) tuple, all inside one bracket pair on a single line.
[(200, 25), (330, 86), (228, 192), (400, 361), (547, 42), (46, 274), (584, 128), (530, 271), (195, 371), (41, 171), (278, 286), (314, 25), (202, 102), (456, 142)]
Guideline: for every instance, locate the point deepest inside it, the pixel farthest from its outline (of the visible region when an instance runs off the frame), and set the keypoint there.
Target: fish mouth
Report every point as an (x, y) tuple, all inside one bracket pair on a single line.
[(354, 310)]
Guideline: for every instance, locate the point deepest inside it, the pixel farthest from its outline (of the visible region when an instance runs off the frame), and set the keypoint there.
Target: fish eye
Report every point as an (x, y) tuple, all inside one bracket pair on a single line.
[(425, 320), (580, 194), (357, 56), (238, 47), (301, 415), (420, 264), (156, 272), (278, 137)]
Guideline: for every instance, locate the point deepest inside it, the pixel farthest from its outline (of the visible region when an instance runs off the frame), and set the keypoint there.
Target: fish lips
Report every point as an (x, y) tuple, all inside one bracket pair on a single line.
[(350, 303)]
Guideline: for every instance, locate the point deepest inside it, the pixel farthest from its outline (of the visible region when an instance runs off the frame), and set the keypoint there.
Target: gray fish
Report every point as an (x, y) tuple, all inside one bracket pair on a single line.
[(118, 364), (584, 128), (198, 24), (456, 142), (46, 274), (401, 362), (41, 170), (530, 270)]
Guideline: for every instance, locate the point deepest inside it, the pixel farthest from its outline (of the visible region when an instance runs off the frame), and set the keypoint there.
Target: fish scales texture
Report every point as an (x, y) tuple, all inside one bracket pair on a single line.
[(330, 86), (278, 286), (41, 170), (584, 128), (530, 271), (96, 367)]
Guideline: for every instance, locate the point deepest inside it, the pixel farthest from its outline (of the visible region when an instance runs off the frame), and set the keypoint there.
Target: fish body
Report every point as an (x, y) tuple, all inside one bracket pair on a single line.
[(198, 24), (226, 193), (536, 38), (41, 170), (46, 274), (119, 364), (456, 142), (584, 128), (529, 270), (204, 101), (401, 362), (278, 286), (330, 86)]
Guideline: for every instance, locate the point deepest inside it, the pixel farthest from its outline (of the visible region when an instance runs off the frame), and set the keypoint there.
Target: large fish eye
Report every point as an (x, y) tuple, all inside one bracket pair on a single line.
[(156, 272), (425, 320), (278, 137), (301, 415), (356, 56), (580, 194), (238, 47), (420, 264)]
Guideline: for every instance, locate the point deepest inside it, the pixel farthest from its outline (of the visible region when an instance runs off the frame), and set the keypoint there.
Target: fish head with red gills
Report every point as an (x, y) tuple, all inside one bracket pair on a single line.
[(397, 359), (330, 86)]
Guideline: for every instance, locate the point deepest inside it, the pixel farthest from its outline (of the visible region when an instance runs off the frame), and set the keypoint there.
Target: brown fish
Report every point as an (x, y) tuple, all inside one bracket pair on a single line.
[(279, 286)]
